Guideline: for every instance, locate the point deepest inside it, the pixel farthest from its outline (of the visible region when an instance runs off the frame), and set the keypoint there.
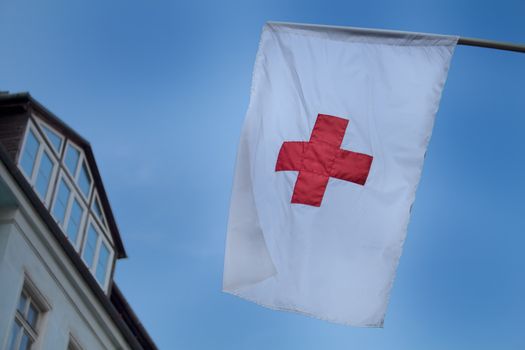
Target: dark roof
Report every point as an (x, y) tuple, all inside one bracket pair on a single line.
[(115, 305), (131, 319), (26, 101)]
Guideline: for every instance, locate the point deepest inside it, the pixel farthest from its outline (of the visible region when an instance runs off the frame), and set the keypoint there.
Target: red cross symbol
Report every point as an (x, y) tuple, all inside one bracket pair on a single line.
[(320, 159)]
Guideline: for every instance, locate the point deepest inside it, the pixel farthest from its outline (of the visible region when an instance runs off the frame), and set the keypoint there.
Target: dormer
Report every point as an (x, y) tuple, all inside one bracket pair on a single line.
[(60, 167)]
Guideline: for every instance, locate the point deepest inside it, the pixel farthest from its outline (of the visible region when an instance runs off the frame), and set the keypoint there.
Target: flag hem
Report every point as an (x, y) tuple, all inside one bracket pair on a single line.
[(304, 313)]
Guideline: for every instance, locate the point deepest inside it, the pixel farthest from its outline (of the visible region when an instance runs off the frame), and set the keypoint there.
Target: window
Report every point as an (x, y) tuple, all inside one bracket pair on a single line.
[(37, 162), (75, 162), (84, 181), (61, 200), (27, 319), (75, 218), (44, 175), (97, 210), (102, 265), (71, 159), (97, 254), (69, 210), (91, 245), (27, 161), (54, 138)]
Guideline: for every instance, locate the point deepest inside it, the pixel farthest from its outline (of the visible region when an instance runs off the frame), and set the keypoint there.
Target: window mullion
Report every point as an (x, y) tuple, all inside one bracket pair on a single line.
[(97, 252), (67, 213), (53, 187), (36, 166), (54, 173), (79, 166), (108, 269), (83, 232)]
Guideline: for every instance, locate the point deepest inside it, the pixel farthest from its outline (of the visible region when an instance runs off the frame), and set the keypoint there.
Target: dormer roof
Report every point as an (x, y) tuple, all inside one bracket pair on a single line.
[(24, 107)]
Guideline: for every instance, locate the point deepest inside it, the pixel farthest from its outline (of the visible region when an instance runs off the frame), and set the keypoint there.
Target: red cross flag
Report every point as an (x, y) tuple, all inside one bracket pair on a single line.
[(329, 160)]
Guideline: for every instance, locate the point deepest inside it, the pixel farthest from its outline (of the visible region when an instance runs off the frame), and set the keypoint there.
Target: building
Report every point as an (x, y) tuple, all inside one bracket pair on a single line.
[(59, 241)]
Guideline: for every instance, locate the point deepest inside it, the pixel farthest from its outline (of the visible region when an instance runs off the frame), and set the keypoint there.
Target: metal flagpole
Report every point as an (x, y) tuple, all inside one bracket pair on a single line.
[(498, 45)]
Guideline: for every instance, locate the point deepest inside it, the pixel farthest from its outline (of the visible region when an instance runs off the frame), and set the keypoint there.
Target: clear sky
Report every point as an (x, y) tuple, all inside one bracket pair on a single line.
[(160, 89)]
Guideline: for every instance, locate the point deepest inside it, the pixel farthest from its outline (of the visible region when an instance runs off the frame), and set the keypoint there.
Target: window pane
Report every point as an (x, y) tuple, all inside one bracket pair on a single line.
[(74, 221), (25, 344), (32, 316), (29, 155), (84, 181), (44, 175), (59, 208), (53, 138), (102, 265), (14, 335), (22, 303), (97, 209), (71, 159), (89, 248)]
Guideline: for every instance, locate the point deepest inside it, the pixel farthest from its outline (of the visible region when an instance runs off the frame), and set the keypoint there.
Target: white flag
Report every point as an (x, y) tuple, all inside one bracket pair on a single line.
[(328, 164)]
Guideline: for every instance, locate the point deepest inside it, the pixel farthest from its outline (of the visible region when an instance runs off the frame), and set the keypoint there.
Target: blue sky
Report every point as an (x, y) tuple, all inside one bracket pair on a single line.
[(160, 89)]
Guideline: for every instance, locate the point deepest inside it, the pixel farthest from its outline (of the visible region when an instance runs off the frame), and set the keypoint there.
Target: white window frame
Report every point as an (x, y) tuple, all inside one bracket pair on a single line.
[(101, 237), (22, 149), (36, 166), (42, 124), (61, 177), (36, 298), (69, 143), (81, 160), (102, 221), (54, 171), (83, 219), (91, 184), (69, 205)]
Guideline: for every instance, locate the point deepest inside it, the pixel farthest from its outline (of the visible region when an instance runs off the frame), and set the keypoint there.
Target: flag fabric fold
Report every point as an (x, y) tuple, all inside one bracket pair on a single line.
[(330, 156)]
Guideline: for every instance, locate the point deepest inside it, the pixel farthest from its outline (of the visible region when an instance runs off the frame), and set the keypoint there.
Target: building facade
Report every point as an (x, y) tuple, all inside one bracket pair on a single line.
[(59, 241)]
